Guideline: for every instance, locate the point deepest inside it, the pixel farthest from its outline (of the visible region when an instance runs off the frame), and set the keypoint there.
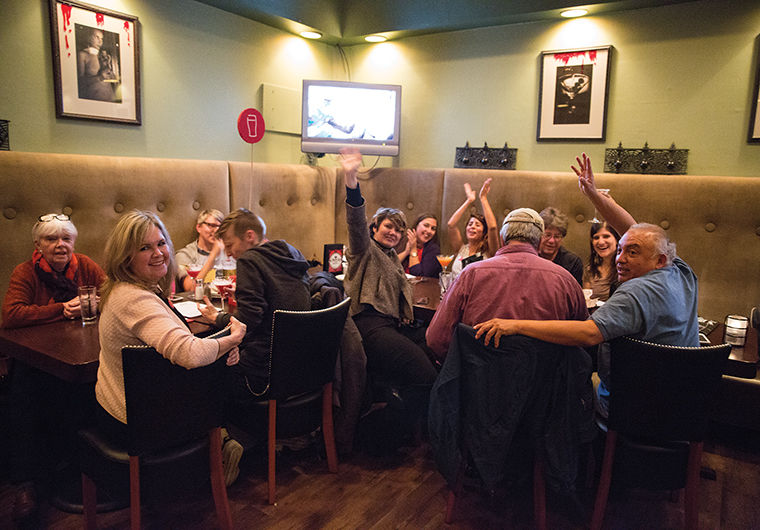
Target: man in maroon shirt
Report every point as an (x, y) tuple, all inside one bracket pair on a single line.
[(515, 282)]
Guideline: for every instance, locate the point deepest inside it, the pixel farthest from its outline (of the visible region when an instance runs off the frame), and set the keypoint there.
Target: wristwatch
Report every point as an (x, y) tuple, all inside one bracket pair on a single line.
[(414, 253)]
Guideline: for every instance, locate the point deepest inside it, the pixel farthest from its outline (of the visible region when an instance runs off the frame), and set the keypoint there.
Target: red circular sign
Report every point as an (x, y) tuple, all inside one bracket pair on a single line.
[(251, 125)]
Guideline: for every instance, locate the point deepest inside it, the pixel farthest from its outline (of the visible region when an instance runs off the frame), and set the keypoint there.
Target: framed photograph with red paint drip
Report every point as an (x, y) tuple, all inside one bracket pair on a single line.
[(573, 93), (753, 136), (96, 63)]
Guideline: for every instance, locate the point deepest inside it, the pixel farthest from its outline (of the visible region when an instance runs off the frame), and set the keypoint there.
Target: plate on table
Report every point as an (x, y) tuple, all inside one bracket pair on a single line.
[(188, 309)]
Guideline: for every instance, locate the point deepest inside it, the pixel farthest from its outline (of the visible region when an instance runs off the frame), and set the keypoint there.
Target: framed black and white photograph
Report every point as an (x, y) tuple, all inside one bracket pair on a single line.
[(573, 90), (96, 63), (754, 121)]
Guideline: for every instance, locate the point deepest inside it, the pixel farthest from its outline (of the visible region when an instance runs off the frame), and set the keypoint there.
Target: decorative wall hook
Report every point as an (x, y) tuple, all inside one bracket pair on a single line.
[(646, 160), (486, 157)]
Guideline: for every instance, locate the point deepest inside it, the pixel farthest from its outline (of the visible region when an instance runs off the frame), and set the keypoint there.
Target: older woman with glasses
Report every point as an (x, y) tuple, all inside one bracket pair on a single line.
[(42, 290), (550, 247)]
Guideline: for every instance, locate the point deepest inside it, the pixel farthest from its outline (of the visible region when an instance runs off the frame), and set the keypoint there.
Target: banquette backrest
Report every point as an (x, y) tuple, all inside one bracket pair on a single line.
[(715, 221), (95, 191)]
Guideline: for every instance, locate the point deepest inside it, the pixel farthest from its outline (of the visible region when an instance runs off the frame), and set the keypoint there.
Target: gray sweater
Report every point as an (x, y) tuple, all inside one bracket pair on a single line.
[(375, 276)]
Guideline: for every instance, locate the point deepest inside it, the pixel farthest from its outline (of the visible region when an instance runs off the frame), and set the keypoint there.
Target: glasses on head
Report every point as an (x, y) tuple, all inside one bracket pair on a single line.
[(547, 236), (211, 225), (52, 217)]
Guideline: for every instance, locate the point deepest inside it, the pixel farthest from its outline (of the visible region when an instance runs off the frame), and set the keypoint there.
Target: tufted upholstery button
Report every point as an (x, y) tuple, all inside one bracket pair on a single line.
[(290, 201), (710, 227), (196, 205), (580, 218), (410, 205), (757, 231), (10, 213), (160, 207), (665, 224), (261, 202), (118, 207), (313, 201), (67, 210)]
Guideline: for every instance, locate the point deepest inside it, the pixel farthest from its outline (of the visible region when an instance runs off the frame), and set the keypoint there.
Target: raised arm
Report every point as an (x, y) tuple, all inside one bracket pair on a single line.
[(491, 225), (455, 236), (358, 235), (610, 210), (350, 161)]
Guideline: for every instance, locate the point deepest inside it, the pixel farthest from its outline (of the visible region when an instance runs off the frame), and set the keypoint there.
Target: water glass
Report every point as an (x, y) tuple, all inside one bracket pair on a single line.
[(736, 330), (88, 303), (445, 279)]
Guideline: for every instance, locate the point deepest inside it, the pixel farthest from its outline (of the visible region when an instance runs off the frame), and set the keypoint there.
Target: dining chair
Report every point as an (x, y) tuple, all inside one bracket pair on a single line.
[(486, 397), (174, 436), (660, 398), (302, 355)]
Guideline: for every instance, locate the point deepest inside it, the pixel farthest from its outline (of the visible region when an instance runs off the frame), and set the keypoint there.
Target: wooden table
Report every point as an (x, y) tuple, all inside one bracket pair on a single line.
[(65, 349), (426, 297)]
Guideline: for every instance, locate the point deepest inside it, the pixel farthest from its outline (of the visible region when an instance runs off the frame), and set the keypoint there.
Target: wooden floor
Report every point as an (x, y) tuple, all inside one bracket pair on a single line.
[(406, 491)]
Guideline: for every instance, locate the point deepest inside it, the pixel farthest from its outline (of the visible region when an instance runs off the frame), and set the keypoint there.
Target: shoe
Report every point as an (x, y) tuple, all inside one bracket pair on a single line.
[(232, 451), (25, 504)]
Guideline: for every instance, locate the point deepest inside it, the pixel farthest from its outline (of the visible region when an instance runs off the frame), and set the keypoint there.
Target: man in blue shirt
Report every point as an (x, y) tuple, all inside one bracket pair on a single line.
[(657, 299)]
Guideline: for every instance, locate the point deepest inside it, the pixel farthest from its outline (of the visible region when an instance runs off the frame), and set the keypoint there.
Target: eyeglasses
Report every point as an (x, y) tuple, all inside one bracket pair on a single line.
[(52, 217), (546, 236), (211, 225)]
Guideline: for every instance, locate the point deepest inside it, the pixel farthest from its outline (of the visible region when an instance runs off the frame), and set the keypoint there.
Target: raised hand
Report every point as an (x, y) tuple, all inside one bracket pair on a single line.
[(585, 175), (350, 161), (485, 189), (411, 239), (469, 192)]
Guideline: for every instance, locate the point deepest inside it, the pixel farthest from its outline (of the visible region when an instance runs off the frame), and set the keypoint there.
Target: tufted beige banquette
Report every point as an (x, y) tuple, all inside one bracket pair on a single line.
[(715, 221)]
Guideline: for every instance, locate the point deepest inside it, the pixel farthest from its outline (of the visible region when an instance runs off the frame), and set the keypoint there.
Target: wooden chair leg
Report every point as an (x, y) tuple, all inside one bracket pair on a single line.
[(539, 491), (691, 502), (328, 432), (600, 505), (272, 436), (455, 492), (134, 492), (89, 502), (218, 487)]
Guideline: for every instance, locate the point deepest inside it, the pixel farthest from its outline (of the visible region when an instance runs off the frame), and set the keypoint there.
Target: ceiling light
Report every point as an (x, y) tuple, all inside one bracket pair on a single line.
[(572, 13), (376, 38), (311, 35)]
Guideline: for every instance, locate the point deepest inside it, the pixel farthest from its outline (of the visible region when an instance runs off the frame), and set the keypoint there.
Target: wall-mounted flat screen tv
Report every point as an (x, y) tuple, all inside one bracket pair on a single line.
[(337, 114)]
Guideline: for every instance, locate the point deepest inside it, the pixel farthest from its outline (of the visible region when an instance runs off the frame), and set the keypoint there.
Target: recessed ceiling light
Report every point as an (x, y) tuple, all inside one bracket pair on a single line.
[(572, 13), (311, 35), (376, 38)]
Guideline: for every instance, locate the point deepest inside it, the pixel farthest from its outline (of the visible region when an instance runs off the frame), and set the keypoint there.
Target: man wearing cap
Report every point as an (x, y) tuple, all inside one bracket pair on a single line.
[(515, 283), (555, 230), (656, 301)]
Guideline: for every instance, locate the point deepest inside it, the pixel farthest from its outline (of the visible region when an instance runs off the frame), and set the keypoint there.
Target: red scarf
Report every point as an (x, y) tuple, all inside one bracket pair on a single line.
[(62, 285)]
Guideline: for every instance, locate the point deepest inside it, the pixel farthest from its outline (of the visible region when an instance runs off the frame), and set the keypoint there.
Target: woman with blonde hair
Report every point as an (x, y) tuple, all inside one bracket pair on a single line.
[(140, 269)]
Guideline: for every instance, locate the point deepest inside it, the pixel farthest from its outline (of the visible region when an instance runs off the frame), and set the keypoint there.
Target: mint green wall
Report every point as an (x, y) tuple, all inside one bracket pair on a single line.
[(680, 73), (200, 67)]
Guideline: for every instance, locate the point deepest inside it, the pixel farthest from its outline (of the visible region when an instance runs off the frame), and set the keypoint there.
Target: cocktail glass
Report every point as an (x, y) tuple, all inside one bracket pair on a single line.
[(223, 285), (193, 271), (444, 260)]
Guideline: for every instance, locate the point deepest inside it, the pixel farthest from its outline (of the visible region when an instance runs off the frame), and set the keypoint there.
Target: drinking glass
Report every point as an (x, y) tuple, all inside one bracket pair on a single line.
[(88, 303), (444, 260), (223, 284), (445, 279), (193, 270), (596, 219)]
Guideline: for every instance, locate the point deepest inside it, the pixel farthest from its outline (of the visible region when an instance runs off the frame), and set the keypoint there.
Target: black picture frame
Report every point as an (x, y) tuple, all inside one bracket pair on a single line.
[(753, 133), (96, 62), (573, 93)]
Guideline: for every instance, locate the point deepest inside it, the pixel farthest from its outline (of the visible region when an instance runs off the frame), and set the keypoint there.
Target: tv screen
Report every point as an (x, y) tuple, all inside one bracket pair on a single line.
[(337, 114)]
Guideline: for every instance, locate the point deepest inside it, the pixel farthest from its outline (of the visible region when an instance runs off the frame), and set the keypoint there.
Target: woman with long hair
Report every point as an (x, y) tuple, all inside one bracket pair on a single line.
[(419, 255), (481, 232), (600, 274)]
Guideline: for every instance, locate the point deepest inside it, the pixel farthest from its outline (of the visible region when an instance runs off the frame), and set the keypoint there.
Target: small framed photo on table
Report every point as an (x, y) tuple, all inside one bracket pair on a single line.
[(333, 258), (96, 63), (573, 92)]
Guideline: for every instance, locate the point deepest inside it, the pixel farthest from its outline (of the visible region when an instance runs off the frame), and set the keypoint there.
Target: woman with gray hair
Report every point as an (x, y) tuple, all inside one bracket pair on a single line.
[(44, 289), (41, 290)]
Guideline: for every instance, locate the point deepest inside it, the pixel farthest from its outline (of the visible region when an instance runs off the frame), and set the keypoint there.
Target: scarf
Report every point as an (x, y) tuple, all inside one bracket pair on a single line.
[(61, 284)]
